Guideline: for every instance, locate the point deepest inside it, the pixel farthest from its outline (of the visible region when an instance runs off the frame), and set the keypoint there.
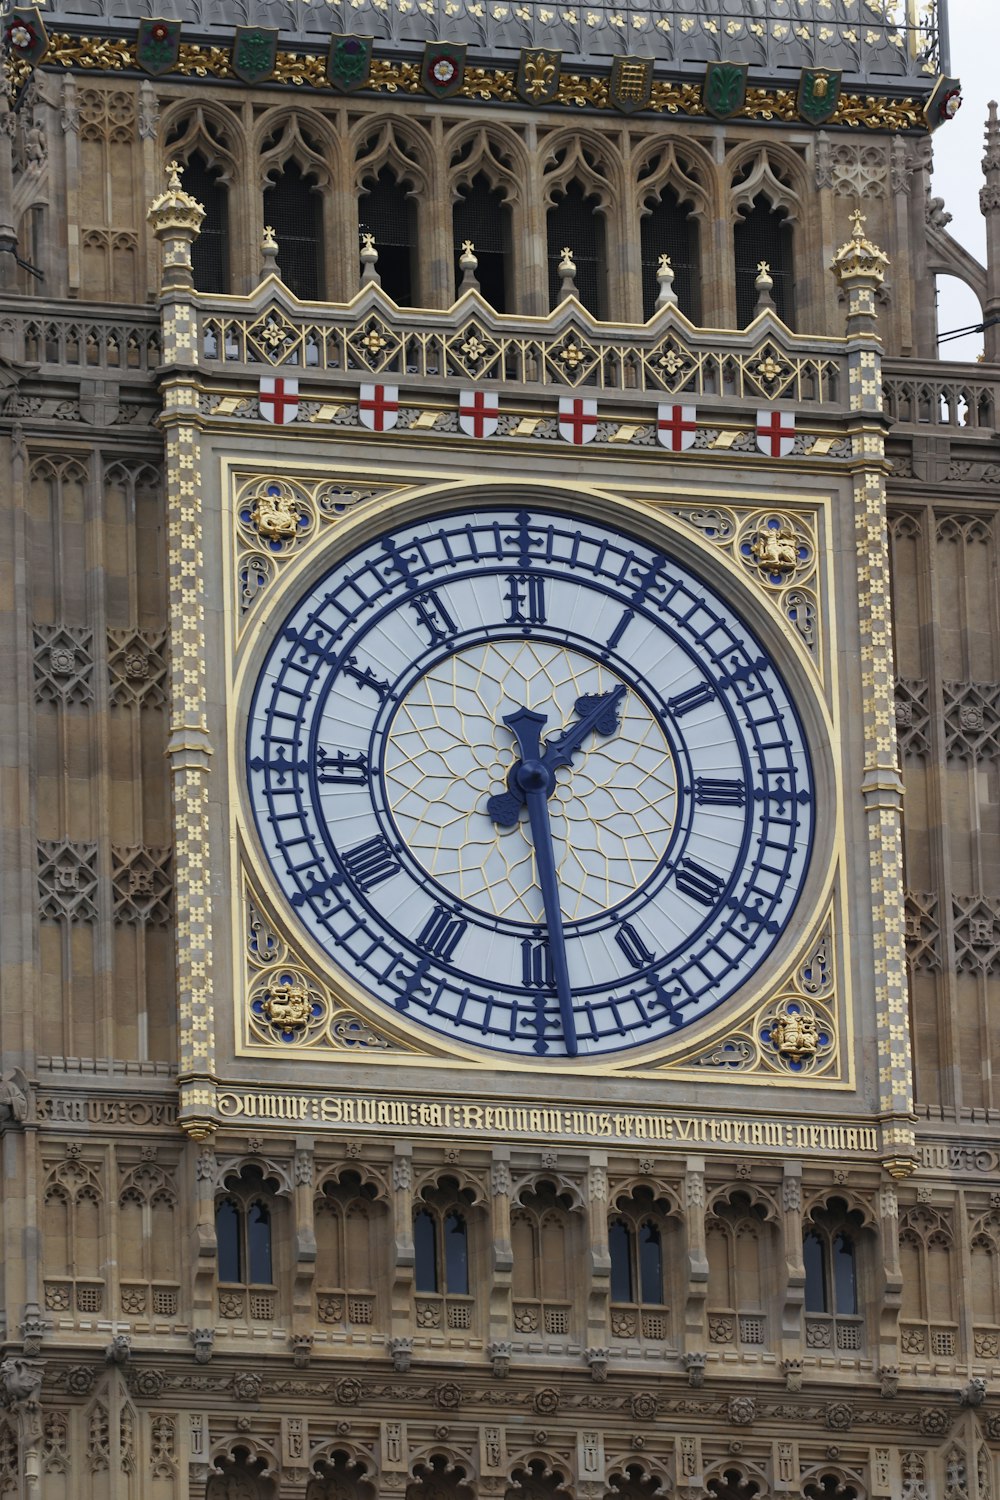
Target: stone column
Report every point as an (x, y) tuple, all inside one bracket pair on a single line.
[(401, 1312), (305, 1251), (795, 1271), (697, 1256), (503, 1260), (860, 267), (600, 1258)]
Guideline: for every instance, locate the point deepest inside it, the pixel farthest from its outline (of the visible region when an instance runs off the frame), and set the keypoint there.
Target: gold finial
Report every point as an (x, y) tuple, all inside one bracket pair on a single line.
[(269, 241), (664, 263), (175, 209), (860, 257), (174, 176), (666, 296), (858, 219)]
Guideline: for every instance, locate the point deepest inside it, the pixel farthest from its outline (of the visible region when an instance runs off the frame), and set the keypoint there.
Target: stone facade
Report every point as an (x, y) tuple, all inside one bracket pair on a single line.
[(261, 1236)]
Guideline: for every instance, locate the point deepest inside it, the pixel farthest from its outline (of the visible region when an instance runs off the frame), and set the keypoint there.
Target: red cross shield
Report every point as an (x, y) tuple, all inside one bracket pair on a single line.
[(478, 413), (676, 427), (776, 433), (577, 419), (378, 407), (279, 399)]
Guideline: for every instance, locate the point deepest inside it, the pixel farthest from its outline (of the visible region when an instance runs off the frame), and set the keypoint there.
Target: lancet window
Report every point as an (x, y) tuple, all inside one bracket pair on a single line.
[(244, 1224), (347, 1216), (482, 215), (833, 1297), (576, 223), (642, 1247), (762, 234), (388, 211), (293, 208), (543, 1237)]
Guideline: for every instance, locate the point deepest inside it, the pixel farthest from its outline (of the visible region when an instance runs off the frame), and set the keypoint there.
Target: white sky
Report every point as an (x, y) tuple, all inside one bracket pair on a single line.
[(958, 154)]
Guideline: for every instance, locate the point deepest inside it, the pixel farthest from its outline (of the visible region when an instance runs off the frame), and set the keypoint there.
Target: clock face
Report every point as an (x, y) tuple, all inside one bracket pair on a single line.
[(530, 783)]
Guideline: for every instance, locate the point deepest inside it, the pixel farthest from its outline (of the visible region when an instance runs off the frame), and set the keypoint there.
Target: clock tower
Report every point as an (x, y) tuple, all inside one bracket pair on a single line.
[(466, 966)]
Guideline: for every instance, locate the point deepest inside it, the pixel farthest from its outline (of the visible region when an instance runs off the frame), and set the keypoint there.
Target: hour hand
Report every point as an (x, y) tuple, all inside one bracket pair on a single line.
[(527, 774)]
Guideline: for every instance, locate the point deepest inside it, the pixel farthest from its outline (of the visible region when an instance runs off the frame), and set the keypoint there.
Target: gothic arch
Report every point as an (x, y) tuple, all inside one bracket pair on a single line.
[(209, 129), (689, 170), (586, 157), (276, 1175), (396, 145), (312, 146), (340, 1473), (539, 1478), (366, 1175), (822, 1200), (252, 1454), (665, 1197), (736, 1480), (635, 1478), (774, 171), (493, 151), (754, 1194), (832, 1482), (461, 1184), (564, 1188)]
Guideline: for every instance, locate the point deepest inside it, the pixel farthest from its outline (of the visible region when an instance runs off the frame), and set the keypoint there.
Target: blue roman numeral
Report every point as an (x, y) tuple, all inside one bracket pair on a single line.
[(441, 933), (633, 947), (434, 617), (694, 880), (370, 863), (684, 703), (526, 597), (711, 791)]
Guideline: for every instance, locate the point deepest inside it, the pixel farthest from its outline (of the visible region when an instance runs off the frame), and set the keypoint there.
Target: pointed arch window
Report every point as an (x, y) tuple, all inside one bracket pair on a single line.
[(441, 1251), (388, 211), (244, 1218), (831, 1252), (210, 251), (667, 227), (575, 221), (547, 1244), (763, 233), (482, 215), (293, 208), (640, 1244)]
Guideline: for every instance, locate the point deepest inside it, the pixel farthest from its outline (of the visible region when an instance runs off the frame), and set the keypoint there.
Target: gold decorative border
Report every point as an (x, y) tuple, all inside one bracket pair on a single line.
[(391, 1036), (95, 54)]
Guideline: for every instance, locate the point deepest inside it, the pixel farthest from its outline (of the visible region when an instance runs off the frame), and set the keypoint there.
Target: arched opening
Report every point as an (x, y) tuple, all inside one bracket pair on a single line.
[(763, 233), (388, 211), (293, 208), (668, 228), (210, 251), (482, 215), (575, 221)]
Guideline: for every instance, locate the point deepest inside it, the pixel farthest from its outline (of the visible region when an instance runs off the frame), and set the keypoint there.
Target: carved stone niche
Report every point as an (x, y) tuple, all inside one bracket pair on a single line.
[(340, 1477), (241, 1477)]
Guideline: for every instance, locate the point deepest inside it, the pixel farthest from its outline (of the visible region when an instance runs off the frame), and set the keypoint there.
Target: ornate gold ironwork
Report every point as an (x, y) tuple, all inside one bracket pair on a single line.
[(490, 85)]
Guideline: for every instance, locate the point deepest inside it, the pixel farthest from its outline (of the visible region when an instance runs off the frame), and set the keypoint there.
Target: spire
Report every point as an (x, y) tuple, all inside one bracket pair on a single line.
[(468, 264), (269, 254), (176, 220), (764, 282), (666, 296), (369, 259), (567, 274), (989, 204)]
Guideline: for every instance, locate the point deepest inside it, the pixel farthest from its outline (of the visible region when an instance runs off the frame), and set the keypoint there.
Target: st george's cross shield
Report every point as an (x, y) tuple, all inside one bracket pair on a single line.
[(776, 433), (478, 413), (676, 427), (378, 407), (279, 399), (577, 419)]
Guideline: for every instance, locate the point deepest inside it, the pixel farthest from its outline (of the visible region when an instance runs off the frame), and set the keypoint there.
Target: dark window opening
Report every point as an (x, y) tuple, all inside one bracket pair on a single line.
[(650, 1264), (294, 210), (425, 1252), (456, 1256), (763, 234), (482, 216), (845, 1281), (229, 1238), (620, 1250), (668, 229), (574, 222), (387, 211), (259, 1244), (210, 251), (815, 1264)]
